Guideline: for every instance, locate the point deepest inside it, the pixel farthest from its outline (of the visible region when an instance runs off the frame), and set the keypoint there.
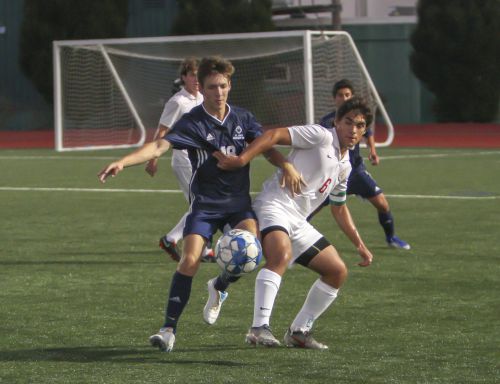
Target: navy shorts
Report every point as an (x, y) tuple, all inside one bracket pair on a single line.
[(206, 223), (362, 184)]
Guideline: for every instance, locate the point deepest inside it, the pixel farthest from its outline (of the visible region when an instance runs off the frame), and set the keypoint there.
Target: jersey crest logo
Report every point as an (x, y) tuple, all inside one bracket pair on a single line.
[(210, 137), (238, 133)]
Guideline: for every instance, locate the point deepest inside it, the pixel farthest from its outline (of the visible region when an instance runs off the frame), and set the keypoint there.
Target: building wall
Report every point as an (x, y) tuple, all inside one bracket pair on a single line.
[(21, 105), (385, 49)]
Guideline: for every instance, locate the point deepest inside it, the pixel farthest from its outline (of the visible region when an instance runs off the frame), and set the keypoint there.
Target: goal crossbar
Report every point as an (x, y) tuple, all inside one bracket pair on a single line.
[(108, 93)]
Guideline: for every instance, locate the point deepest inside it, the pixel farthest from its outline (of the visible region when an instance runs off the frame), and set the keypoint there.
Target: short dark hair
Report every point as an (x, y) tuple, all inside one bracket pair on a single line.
[(344, 83), (353, 104), (212, 65)]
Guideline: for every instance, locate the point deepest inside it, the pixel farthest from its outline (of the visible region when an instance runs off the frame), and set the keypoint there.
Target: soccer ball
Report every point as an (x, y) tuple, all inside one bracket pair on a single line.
[(238, 252)]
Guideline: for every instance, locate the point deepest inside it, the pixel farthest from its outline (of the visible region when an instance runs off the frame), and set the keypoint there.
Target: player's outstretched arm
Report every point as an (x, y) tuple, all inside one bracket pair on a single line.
[(152, 165), (260, 145), (344, 220), (147, 152)]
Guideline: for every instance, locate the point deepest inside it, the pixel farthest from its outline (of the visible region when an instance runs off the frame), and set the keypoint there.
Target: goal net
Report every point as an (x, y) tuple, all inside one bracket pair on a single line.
[(110, 93)]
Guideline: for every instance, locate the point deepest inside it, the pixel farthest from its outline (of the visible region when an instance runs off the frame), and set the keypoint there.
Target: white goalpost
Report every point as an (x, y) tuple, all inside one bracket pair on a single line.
[(110, 93)]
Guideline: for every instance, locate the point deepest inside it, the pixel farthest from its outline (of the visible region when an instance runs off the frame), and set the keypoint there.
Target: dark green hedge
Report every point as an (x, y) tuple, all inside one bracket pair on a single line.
[(456, 54)]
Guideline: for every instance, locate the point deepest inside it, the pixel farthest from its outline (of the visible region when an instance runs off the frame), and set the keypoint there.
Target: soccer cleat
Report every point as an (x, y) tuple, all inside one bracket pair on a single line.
[(170, 247), (262, 336), (164, 339), (209, 256), (396, 242), (301, 339), (214, 302)]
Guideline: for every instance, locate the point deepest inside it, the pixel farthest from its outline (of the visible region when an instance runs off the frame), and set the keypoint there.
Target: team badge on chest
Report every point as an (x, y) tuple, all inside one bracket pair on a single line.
[(238, 133)]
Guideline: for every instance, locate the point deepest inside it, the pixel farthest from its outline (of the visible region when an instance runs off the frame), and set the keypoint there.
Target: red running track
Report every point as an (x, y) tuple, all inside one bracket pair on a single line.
[(448, 135)]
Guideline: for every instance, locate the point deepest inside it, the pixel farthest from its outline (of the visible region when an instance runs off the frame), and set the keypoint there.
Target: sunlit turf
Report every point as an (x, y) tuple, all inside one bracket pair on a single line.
[(83, 283)]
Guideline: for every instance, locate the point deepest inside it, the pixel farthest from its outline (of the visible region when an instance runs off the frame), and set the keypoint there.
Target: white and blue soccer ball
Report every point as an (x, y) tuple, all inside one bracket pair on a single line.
[(238, 252)]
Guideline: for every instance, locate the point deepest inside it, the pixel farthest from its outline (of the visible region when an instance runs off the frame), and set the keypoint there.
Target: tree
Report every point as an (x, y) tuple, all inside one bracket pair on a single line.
[(222, 16), (456, 51), (45, 21)]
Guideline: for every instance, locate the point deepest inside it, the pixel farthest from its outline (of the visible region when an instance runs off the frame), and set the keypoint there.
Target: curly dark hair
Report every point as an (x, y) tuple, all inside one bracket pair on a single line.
[(353, 104)]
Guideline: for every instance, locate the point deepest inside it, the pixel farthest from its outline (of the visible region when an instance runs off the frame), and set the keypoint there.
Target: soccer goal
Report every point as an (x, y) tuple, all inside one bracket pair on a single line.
[(110, 93)]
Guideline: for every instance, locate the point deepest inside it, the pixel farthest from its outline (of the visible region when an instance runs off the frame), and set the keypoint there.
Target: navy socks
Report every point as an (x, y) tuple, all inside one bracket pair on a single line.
[(387, 222), (180, 290)]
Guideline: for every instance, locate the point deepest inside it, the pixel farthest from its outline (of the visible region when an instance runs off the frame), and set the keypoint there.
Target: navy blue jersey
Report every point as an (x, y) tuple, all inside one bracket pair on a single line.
[(211, 188), (354, 154)]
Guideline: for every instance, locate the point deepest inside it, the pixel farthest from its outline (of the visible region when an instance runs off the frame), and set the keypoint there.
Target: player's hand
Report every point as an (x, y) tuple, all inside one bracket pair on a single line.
[(228, 163), (111, 170), (374, 159), (366, 255), (292, 179), (152, 167)]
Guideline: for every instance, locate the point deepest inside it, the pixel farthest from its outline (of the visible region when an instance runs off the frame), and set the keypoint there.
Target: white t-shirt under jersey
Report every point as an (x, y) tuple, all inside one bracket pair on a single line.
[(179, 104), (316, 155)]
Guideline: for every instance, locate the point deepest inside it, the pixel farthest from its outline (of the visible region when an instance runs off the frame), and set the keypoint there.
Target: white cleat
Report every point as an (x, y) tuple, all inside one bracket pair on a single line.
[(164, 340), (300, 339), (214, 302), (262, 336)]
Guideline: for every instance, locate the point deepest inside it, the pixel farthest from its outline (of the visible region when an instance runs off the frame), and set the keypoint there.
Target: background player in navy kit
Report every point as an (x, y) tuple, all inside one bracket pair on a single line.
[(217, 197), (360, 182)]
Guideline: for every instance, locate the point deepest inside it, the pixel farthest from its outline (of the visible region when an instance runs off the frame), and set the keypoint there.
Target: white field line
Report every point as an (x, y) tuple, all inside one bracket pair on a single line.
[(440, 155), (443, 197), (166, 157), (105, 190), (52, 157), (172, 191)]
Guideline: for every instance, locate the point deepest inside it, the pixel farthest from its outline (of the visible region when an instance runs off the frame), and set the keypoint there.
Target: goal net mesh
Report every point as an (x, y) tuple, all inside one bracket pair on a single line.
[(113, 94)]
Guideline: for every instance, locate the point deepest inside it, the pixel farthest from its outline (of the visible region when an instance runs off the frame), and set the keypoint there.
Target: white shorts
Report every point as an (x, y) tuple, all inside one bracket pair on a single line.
[(182, 170), (302, 234), (183, 175)]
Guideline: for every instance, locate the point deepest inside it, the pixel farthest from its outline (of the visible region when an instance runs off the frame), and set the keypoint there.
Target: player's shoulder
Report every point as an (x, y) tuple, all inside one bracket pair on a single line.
[(196, 113), (179, 97), (312, 133), (327, 120), (190, 118), (311, 128)]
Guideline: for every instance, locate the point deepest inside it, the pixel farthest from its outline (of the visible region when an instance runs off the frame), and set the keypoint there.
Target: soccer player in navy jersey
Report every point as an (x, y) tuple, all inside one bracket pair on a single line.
[(187, 97), (217, 197), (360, 182)]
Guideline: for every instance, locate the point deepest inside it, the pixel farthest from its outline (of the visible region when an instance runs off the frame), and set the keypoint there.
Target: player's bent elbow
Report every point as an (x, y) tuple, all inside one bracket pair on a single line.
[(162, 146)]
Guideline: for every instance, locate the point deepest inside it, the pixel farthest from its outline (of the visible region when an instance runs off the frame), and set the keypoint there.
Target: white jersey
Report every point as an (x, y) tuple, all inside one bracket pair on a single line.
[(316, 155), (179, 104)]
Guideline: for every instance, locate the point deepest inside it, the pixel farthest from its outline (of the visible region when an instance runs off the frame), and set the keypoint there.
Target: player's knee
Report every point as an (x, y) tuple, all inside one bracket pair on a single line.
[(278, 261), (188, 264), (381, 203), (337, 275)]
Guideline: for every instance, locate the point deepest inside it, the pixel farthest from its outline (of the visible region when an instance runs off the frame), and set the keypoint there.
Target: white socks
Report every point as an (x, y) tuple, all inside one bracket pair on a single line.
[(319, 298), (175, 235), (267, 284)]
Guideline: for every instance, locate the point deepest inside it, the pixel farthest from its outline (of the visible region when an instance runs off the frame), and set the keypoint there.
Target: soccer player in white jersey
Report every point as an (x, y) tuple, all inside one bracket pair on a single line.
[(322, 157), (179, 104)]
